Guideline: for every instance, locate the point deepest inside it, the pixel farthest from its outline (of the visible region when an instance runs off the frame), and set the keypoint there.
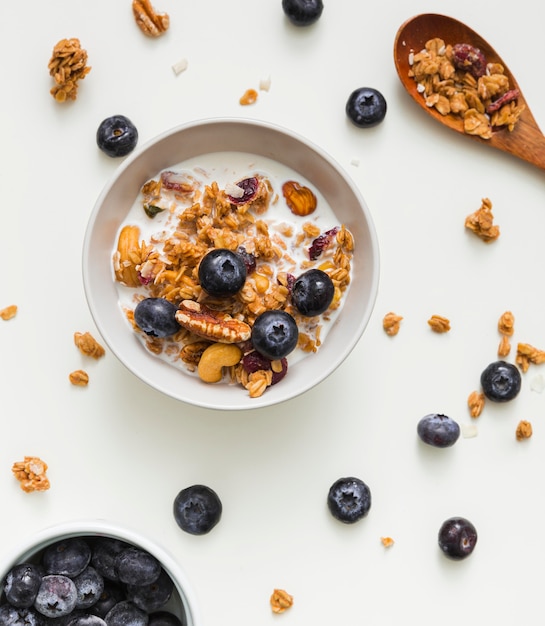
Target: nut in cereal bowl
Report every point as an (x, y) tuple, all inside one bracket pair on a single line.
[(193, 250), (90, 569)]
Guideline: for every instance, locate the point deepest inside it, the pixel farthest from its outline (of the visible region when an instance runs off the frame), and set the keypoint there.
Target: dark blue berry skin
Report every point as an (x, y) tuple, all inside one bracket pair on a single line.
[(164, 618), (27, 616), (312, 292), (197, 509), (110, 596), (68, 557), (137, 567), (125, 613), (89, 587), (151, 597), (349, 499), (437, 430), (303, 12), (117, 136), (457, 538), (275, 334), (156, 317), (85, 619), (22, 583), (501, 381), (366, 107), (104, 553), (56, 597), (222, 273)]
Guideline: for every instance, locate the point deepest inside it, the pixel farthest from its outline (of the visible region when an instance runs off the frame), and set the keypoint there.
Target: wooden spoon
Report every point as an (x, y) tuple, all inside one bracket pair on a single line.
[(525, 141)]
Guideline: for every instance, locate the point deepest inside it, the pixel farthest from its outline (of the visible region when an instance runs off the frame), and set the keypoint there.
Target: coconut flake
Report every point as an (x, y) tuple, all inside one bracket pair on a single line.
[(537, 383), (180, 66), (469, 430), (234, 190), (265, 84)]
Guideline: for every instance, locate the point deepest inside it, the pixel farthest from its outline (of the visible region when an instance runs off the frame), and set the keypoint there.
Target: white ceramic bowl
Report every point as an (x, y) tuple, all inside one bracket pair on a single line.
[(182, 603), (201, 138)]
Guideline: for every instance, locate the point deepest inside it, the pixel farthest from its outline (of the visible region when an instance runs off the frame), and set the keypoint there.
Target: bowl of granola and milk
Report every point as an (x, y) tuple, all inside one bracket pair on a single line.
[(231, 264)]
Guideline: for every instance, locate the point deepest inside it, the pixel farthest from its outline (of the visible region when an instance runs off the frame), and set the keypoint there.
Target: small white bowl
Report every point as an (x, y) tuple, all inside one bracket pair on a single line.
[(182, 603), (201, 138)]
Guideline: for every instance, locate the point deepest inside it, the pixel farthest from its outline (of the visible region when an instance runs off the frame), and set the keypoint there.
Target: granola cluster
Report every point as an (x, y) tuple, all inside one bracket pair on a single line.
[(31, 474), (68, 65), (483, 103), (481, 222), (199, 219)]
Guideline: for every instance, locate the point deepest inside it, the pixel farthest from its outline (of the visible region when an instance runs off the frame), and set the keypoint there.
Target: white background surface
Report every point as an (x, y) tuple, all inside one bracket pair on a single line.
[(120, 451)]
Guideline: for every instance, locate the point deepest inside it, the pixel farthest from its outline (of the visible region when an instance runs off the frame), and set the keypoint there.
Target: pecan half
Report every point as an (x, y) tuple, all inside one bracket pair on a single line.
[(213, 325), (149, 21)]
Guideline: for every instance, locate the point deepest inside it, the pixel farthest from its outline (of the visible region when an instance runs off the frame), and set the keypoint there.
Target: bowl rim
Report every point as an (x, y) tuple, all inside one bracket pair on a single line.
[(265, 400), (45, 536)]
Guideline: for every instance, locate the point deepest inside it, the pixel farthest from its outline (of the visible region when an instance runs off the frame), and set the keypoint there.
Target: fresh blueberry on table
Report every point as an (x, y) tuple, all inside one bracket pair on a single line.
[(275, 334), (56, 597), (137, 567), (437, 430), (222, 272), (501, 381), (117, 136), (22, 583), (366, 107), (197, 509), (457, 538), (151, 597), (125, 613), (349, 499), (303, 12), (68, 557), (156, 317), (312, 292)]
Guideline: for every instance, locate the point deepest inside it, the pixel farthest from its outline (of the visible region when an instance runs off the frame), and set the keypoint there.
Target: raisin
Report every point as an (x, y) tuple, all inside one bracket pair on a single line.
[(467, 57)]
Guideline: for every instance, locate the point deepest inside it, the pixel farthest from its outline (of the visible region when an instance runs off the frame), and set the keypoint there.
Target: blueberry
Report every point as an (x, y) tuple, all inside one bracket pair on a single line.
[(366, 107), (68, 557), (156, 317), (85, 619), (164, 618), (151, 597), (500, 381), (457, 538), (312, 292), (26, 616), (125, 613), (275, 334), (303, 12), (117, 136), (349, 499), (57, 596), (438, 430), (222, 272), (89, 587), (110, 596), (105, 551), (22, 583), (137, 567), (197, 509)]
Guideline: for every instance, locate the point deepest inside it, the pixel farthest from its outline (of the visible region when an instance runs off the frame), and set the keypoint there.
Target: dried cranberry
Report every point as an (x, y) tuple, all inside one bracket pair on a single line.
[(467, 57), (250, 187), (509, 96), (254, 361), (248, 258), (321, 243)]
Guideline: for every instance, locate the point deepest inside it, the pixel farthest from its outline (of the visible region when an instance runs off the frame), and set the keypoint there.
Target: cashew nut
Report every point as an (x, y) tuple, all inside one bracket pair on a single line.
[(215, 358)]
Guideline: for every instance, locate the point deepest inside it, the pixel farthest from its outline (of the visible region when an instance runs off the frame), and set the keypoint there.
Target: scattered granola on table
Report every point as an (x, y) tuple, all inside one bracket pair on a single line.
[(79, 378), (475, 403), (280, 601), (68, 65), (248, 97), (391, 323), (8, 312), (31, 474), (481, 222), (524, 430), (387, 542), (88, 345), (439, 324), (527, 354)]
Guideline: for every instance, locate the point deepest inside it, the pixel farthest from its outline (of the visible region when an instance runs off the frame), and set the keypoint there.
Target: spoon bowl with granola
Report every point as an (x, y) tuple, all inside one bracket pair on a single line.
[(231, 264), (458, 78)]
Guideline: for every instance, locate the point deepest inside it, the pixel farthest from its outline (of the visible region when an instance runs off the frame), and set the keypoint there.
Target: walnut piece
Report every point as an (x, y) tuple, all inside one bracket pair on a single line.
[(524, 430), (391, 323), (481, 222), (31, 473), (281, 601), (68, 65), (439, 324), (475, 402), (88, 345), (8, 312), (79, 378), (150, 22)]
